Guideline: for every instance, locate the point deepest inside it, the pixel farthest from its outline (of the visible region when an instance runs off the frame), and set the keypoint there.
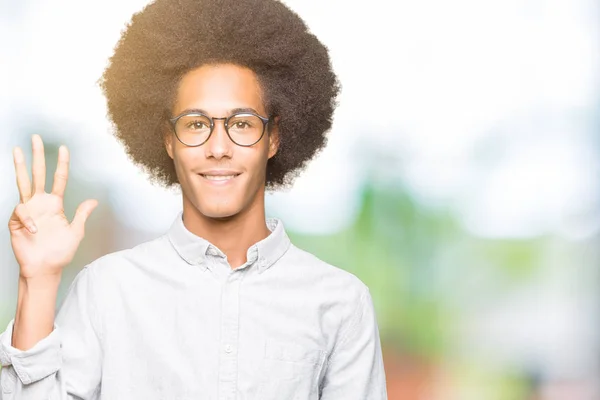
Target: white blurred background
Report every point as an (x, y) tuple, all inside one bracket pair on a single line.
[(465, 152)]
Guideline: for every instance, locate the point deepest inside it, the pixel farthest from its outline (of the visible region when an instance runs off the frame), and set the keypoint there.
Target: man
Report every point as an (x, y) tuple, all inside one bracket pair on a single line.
[(225, 99)]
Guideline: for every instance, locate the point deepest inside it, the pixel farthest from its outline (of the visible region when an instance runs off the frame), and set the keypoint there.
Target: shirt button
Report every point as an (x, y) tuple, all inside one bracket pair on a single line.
[(228, 348)]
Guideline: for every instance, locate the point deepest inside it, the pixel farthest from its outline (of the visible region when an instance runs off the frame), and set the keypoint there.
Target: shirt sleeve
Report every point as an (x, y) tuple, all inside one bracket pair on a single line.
[(355, 367), (65, 365)]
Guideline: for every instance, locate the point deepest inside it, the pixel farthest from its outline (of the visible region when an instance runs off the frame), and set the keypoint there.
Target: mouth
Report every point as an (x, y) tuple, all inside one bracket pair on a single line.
[(219, 179)]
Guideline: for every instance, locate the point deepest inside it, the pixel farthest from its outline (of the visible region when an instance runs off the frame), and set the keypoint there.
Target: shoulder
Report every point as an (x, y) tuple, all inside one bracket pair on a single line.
[(325, 277), (121, 262)]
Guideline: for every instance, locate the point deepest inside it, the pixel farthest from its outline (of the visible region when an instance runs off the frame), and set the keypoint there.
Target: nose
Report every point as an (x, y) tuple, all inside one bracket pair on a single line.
[(218, 145)]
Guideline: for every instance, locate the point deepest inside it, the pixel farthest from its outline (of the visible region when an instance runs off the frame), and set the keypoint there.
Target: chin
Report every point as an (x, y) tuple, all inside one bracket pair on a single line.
[(218, 212)]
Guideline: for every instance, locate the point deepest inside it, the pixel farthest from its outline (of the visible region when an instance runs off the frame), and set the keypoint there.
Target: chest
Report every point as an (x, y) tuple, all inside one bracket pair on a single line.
[(233, 338)]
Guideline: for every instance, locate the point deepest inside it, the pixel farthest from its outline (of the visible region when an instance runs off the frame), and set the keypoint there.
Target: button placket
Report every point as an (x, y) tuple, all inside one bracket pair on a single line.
[(229, 335)]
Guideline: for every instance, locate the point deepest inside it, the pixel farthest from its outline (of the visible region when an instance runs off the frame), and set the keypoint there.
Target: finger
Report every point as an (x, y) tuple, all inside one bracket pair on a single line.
[(62, 172), (22, 215), (39, 164), (81, 215), (23, 182)]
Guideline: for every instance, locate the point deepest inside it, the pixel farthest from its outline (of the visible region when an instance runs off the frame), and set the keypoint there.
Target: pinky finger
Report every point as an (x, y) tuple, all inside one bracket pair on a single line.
[(24, 218)]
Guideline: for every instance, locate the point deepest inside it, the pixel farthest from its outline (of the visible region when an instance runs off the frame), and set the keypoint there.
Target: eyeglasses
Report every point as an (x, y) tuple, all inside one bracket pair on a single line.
[(244, 129)]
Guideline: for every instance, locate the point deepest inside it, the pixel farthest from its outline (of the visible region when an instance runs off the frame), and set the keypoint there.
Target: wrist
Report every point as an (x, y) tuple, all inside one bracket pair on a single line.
[(43, 285), (40, 280)]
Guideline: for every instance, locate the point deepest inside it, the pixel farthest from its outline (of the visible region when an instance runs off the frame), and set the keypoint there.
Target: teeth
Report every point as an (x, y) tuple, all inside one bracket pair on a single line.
[(218, 177)]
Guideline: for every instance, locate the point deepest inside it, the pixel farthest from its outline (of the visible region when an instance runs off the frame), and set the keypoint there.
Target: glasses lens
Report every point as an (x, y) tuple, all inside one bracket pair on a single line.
[(193, 129), (245, 129)]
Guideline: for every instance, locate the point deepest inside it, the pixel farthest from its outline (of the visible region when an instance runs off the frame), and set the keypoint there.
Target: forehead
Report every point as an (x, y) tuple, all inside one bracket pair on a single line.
[(219, 88)]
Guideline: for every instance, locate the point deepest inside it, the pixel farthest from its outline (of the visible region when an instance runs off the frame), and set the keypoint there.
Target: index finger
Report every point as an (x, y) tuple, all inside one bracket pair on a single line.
[(23, 182), (62, 172)]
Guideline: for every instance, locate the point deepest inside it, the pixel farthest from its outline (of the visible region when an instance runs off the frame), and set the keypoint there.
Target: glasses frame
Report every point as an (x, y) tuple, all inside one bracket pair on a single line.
[(173, 123)]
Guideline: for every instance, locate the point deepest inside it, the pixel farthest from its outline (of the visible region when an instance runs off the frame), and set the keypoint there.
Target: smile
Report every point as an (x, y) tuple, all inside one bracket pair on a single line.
[(219, 178)]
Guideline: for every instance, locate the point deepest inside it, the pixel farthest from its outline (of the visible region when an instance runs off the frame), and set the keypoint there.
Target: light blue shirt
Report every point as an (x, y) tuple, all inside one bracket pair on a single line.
[(170, 319)]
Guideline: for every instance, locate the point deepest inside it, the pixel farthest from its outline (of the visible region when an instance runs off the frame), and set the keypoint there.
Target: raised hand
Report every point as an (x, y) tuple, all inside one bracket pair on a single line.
[(42, 238)]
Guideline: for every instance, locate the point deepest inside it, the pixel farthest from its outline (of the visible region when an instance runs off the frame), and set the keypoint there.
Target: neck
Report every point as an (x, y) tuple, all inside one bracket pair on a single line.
[(233, 235)]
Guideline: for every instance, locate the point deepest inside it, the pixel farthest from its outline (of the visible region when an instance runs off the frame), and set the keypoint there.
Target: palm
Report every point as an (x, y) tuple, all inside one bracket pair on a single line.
[(54, 243)]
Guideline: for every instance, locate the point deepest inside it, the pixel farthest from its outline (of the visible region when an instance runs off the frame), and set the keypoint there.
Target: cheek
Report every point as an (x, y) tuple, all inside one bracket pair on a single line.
[(259, 160), (183, 160)]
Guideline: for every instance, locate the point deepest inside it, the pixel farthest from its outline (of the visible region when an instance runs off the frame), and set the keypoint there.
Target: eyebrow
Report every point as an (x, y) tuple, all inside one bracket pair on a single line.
[(230, 112)]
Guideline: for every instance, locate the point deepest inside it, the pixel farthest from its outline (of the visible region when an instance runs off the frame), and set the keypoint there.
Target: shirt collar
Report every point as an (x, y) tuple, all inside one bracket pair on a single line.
[(195, 249)]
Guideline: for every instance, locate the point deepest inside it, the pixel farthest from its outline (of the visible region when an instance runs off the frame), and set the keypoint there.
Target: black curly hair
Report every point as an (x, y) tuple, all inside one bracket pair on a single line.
[(168, 38)]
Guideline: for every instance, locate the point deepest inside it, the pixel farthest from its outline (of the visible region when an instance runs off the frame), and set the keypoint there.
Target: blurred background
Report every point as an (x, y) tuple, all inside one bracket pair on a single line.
[(461, 182)]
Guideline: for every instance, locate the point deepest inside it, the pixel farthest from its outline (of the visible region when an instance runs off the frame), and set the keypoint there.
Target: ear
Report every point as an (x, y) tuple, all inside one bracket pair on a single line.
[(169, 144), (168, 140), (274, 138)]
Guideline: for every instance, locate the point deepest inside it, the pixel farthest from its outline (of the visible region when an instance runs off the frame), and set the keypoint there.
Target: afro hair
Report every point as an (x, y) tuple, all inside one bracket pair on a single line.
[(168, 38)]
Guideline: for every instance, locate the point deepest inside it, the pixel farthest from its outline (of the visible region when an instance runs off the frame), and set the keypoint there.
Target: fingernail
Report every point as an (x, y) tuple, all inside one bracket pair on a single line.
[(32, 228)]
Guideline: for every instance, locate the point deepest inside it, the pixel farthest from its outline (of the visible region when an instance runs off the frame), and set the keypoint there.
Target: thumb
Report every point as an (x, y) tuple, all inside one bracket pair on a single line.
[(81, 215)]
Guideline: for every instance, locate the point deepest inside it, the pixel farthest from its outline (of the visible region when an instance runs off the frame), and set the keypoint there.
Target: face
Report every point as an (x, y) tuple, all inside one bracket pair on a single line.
[(218, 90)]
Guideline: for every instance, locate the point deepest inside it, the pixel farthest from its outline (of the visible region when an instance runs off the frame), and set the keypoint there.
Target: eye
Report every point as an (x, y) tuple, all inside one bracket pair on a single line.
[(244, 122), (241, 124), (197, 124)]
